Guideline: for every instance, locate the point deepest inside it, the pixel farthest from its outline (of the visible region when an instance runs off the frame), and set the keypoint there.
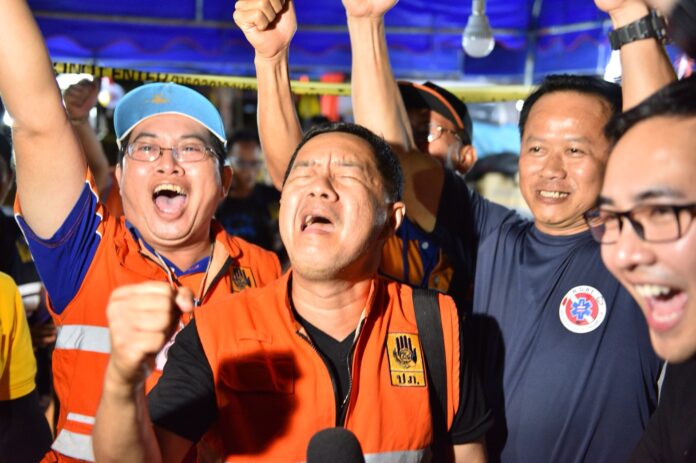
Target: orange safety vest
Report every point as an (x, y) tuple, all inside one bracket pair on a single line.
[(83, 344), (274, 391)]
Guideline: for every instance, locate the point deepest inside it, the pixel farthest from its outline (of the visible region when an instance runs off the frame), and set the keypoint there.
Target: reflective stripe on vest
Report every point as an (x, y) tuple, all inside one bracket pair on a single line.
[(74, 445), (406, 456), (85, 338)]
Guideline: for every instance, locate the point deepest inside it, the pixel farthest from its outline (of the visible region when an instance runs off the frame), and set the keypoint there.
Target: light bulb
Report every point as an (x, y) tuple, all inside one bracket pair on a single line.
[(477, 39)]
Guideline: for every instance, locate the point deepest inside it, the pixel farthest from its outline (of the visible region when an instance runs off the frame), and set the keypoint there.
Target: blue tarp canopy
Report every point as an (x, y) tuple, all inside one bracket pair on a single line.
[(424, 37)]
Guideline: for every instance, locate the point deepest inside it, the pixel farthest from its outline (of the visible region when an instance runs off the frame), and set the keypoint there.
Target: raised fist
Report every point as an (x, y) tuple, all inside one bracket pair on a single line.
[(142, 318)]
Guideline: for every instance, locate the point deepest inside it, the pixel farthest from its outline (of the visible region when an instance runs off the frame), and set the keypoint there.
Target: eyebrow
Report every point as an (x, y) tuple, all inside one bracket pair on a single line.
[(655, 193), (183, 137), (533, 138), (336, 162)]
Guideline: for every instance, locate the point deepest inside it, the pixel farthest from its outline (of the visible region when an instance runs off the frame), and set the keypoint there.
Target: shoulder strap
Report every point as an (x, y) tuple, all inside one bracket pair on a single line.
[(427, 309)]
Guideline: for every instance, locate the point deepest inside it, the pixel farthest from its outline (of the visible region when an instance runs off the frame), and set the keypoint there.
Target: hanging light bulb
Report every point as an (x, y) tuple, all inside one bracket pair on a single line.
[(477, 39)]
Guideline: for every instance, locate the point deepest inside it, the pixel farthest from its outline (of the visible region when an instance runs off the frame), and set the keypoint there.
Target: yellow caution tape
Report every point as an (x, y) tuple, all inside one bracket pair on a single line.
[(478, 94)]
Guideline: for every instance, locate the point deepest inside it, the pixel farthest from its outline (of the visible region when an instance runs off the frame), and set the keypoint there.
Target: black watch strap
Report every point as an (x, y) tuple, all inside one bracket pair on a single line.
[(650, 26)]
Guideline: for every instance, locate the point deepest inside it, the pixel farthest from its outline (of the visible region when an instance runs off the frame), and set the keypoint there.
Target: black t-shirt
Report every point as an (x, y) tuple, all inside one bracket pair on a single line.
[(184, 402), (337, 357), (671, 433)]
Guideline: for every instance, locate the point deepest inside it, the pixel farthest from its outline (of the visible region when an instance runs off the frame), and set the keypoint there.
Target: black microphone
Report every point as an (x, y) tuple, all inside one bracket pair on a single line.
[(334, 445)]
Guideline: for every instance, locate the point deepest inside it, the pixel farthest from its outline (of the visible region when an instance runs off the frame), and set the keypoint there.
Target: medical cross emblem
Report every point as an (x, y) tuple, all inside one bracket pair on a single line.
[(582, 309)]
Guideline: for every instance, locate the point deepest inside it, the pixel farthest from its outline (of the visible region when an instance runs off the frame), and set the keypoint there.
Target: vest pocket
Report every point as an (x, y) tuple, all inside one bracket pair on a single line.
[(271, 373)]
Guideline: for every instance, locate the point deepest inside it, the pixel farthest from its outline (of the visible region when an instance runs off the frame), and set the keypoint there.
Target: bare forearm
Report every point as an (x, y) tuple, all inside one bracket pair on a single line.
[(123, 431), (473, 452), (94, 153), (279, 127), (645, 65), (377, 102)]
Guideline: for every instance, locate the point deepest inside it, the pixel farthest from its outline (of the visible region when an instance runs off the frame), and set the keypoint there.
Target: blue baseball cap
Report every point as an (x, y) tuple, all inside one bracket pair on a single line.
[(165, 98)]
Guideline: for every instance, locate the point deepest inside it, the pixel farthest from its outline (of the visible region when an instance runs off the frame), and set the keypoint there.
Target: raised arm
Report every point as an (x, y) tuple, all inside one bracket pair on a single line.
[(377, 105), (50, 164), (269, 26), (645, 65), (79, 99)]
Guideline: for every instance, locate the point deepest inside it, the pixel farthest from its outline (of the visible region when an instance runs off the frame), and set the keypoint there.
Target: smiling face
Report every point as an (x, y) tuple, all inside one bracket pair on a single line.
[(562, 159), (170, 203), (334, 214), (648, 170)]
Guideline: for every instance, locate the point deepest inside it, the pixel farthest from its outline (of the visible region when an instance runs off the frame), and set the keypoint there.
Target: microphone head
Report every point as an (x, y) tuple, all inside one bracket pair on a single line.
[(334, 445)]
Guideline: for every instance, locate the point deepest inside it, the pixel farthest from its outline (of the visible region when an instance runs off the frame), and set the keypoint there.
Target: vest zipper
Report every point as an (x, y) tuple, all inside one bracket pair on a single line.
[(328, 370), (349, 361)]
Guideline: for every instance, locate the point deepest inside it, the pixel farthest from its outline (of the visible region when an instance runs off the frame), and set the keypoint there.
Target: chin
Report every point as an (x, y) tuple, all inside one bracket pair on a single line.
[(674, 351)]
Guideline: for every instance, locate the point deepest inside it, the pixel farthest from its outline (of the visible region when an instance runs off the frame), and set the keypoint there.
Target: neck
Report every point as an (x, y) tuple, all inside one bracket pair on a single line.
[(185, 257), (568, 230), (333, 306)]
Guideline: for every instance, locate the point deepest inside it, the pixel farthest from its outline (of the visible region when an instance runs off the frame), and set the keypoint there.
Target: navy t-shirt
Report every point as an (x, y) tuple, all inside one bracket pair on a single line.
[(563, 349)]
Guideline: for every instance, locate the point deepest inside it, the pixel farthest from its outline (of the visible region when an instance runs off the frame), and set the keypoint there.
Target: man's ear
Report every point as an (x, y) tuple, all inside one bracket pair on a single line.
[(467, 159), (397, 213), (226, 180)]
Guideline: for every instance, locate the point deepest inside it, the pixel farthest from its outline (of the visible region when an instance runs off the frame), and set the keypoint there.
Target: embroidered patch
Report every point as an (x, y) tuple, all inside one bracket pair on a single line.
[(159, 99), (405, 360), (241, 278), (582, 309)]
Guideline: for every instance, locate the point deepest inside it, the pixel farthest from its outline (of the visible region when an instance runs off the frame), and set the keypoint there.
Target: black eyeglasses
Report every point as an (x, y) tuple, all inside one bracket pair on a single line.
[(654, 223)]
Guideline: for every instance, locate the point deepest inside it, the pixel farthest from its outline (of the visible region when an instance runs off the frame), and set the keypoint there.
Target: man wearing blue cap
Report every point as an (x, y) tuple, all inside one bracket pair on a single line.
[(171, 177)]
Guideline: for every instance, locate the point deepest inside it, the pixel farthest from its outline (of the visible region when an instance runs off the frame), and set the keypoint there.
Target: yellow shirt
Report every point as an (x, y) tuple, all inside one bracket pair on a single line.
[(17, 361)]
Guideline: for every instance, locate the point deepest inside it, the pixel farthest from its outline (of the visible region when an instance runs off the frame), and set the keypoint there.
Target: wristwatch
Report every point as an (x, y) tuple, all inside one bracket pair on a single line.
[(652, 25)]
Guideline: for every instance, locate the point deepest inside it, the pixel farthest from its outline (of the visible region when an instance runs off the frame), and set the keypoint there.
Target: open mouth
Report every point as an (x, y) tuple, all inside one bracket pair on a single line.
[(169, 198), (315, 222), (666, 305), (548, 194)]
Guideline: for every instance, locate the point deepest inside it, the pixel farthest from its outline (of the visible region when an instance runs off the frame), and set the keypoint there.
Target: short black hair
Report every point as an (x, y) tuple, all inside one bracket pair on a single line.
[(677, 99), (609, 92), (243, 135), (387, 163)]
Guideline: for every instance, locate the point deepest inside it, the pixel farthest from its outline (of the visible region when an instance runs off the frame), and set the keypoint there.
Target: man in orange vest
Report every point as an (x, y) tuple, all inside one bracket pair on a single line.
[(171, 177), (330, 344)]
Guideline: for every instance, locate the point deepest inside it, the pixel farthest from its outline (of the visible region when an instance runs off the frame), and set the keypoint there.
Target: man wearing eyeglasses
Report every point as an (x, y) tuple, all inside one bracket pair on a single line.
[(171, 176), (442, 128), (644, 223), (250, 209)]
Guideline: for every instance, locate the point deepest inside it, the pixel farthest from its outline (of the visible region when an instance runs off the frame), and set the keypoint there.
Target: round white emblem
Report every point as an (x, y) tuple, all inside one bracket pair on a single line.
[(582, 309)]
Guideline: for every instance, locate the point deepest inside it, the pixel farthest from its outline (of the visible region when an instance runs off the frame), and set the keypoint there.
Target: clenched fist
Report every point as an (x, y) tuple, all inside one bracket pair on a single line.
[(268, 25), (142, 318)]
